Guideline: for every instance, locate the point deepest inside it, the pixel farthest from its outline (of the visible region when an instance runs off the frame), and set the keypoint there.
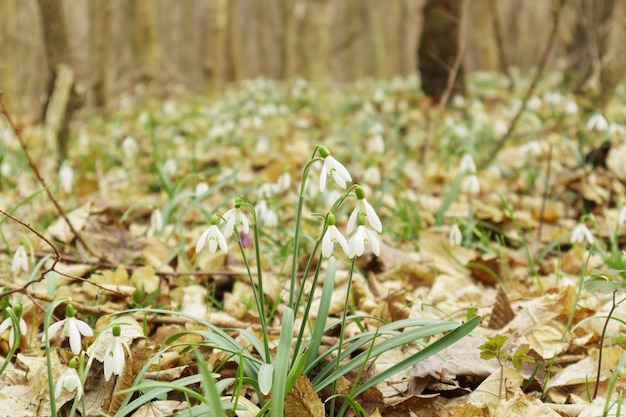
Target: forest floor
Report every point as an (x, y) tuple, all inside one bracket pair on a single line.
[(521, 234)]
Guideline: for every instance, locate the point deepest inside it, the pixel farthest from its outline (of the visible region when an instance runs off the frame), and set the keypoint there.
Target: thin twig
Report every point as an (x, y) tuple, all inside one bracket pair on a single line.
[(41, 180), (556, 16)]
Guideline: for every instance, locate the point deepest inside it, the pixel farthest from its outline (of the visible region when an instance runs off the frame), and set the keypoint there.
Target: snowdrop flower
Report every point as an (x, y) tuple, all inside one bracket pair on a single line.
[(616, 128), (500, 127), (129, 146), (212, 237), (201, 189), (467, 165), (597, 122), (66, 178), (581, 234), (362, 236), (235, 217), (454, 235), (114, 355), (470, 185), (532, 148), (571, 107), (376, 144), (270, 218), (371, 175), (363, 207), (283, 182), (70, 381), (170, 167), (72, 328), (20, 260), (7, 324), (332, 236), (156, 221), (332, 168)]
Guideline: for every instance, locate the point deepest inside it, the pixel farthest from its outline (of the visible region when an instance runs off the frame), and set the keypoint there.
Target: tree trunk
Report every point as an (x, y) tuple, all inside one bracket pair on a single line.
[(216, 36), (8, 35), (614, 59), (289, 39), (147, 51), (439, 46), (58, 55), (101, 12), (481, 32), (233, 52), (316, 40), (377, 33)]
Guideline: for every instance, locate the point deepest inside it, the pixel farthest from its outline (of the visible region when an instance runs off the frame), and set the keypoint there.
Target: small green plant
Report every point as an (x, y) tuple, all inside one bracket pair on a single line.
[(494, 348), (609, 282)]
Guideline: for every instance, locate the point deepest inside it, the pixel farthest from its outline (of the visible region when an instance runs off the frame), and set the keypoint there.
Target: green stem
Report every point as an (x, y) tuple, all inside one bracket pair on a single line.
[(259, 295), (341, 332), (296, 243)]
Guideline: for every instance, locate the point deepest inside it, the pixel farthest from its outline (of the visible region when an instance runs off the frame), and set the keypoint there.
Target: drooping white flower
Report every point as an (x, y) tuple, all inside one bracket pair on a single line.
[(201, 188), (7, 324), (156, 221), (270, 218), (72, 329), (70, 381), (283, 182), (129, 146), (371, 175), (364, 207), (532, 148), (363, 236), (114, 355), (597, 122), (212, 237), (454, 235), (470, 185), (20, 260), (332, 168), (571, 107), (467, 165), (581, 234), (235, 217), (66, 178), (332, 236), (170, 167)]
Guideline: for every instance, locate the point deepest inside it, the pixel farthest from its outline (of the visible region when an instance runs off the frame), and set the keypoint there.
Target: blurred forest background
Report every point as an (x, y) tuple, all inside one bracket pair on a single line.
[(113, 46)]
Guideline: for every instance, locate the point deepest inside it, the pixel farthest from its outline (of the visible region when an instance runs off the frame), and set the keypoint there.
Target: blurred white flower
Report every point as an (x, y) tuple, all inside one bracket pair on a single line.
[(470, 185), (533, 103), (333, 168), (283, 182), (270, 218), (201, 188), (66, 178), (532, 148), (581, 234), (597, 122), (170, 167), (371, 175), (156, 222), (376, 144), (454, 235), (70, 381), (20, 260), (361, 237), (467, 165), (571, 107), (130, 146), (72, 329), (7, 324), (500, 127)]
